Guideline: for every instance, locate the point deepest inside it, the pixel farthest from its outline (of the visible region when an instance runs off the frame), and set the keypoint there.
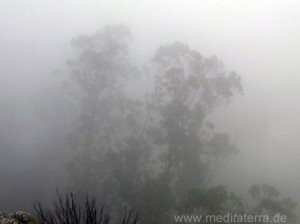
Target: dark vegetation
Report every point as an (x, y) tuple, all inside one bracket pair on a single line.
[(68, 210)]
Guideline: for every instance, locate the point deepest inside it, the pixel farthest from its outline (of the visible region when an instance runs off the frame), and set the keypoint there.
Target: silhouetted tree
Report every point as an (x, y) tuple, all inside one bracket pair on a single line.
[(187, 88), (67, 210), (96, 75)]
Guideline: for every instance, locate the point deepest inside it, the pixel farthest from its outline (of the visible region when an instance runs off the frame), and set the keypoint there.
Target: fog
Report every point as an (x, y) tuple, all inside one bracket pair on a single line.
[(256, 39)]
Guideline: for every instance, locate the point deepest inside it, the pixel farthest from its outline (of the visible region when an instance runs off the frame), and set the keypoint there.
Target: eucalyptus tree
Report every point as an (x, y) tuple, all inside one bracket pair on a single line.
[(97, 75), (188, 87)]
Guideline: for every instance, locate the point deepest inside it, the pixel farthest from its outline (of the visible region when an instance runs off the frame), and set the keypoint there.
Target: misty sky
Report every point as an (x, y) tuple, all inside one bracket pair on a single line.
[(257, 39)]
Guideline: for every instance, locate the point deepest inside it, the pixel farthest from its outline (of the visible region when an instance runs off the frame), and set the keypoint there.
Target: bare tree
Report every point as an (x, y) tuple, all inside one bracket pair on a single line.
[(67, 210)]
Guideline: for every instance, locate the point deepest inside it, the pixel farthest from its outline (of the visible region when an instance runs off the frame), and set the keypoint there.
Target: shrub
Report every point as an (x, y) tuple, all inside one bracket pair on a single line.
[(67, 210)]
